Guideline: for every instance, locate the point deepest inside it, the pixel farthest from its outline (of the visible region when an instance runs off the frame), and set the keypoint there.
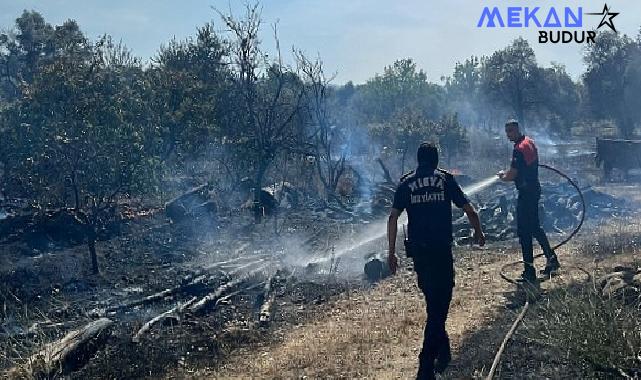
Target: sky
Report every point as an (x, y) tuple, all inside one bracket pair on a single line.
[(355, 38)]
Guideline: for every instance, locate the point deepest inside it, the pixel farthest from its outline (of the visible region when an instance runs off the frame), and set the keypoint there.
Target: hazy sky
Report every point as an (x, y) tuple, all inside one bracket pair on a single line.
[(355, 38)]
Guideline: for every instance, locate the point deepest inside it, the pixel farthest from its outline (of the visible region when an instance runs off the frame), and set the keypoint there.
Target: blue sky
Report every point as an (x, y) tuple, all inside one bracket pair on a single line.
[(355, 38)]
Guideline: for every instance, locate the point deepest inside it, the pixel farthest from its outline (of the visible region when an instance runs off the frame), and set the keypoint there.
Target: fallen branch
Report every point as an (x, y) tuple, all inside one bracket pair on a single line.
[(211, 298), (264, 317), (171, 313), (70, 353), (388, 177), (242, 267), (237, 262), (177, 311), (237, 292), (161, 295)]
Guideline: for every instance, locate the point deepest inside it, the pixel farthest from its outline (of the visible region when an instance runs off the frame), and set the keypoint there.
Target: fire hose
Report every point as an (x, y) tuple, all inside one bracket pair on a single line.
[(564, 241), (524, 310)]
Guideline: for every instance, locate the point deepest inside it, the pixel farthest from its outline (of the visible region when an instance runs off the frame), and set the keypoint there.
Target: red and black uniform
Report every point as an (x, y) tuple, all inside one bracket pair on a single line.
[(427, 195), (525, 160)]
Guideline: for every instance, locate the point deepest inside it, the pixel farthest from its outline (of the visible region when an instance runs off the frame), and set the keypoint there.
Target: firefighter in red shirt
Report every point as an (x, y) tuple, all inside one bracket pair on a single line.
[(524, 171)]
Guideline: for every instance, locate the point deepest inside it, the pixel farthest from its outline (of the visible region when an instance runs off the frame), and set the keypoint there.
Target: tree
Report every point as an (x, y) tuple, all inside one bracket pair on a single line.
[(84, 133), (325, 136), (271, 97), (23, 50), (611, 79), (401, 85), (452, 137), (510, 78), (632, 90), (561, 98), (408, 128), (464, 92), (189, 82)]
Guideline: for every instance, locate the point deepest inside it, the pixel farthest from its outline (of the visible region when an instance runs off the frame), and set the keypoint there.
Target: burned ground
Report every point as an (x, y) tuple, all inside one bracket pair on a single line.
[(153, 265)]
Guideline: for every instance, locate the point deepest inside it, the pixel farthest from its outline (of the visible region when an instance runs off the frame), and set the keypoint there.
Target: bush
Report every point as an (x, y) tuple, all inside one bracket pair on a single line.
[(601, 334)]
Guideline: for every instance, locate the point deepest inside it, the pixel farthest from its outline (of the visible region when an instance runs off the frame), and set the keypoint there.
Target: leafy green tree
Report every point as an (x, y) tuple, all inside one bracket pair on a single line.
[(465, 94), (510, 78), (611, 79), (561, 98), (452, 137), (83, 128), (22, 50), (35, 39), (632, 90), (401, 85), (408, 128), (190, 82)]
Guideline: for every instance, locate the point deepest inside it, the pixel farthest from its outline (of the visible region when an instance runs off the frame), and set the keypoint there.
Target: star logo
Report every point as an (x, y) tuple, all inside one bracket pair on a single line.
[(607, 17)]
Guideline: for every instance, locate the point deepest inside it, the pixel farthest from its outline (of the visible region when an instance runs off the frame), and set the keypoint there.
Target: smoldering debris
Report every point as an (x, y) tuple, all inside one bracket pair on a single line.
[(559, 211), (193, 204), (623, 282)]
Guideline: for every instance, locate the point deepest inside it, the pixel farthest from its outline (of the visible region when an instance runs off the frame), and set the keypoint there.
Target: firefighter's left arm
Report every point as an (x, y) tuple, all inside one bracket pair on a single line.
[(392, 231), (475, 221)]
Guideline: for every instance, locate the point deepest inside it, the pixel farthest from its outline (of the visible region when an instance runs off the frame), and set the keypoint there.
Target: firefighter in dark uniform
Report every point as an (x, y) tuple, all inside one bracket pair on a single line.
[(524, 171), (427, 194)]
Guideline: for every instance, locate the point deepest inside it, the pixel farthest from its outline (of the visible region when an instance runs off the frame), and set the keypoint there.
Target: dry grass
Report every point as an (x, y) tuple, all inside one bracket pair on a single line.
[(614, 236), (576, 332), (597, 335), (15, 351)]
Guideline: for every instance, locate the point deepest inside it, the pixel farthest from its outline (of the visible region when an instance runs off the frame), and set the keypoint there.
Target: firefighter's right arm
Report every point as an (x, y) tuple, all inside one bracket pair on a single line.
[(475, 221), (507, 176)]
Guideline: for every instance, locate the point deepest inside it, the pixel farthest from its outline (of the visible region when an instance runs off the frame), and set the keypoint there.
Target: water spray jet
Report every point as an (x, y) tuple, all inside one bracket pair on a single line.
[(378, 229)]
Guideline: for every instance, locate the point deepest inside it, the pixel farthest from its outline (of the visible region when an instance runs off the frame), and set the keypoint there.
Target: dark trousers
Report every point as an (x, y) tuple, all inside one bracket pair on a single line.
[(528, 227), (435, 274)]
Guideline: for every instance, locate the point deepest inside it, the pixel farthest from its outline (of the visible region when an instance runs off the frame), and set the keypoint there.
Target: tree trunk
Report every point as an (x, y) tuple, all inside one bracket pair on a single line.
[(388, 177), (92, 236), (265, 315), (94, 257), (76, 193), (259, 209)]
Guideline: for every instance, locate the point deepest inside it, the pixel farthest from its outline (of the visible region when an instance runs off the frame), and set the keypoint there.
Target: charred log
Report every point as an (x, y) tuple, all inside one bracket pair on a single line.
[(70, 353)]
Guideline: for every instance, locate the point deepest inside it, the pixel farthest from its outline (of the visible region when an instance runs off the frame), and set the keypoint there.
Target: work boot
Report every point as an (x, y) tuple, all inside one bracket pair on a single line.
[(551, 266), (444, 357), (425, 373), (528, 276), (425, 369)]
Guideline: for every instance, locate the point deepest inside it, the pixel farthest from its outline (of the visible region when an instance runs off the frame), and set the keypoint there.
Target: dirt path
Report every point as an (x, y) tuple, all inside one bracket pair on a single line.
[(377, 333)]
